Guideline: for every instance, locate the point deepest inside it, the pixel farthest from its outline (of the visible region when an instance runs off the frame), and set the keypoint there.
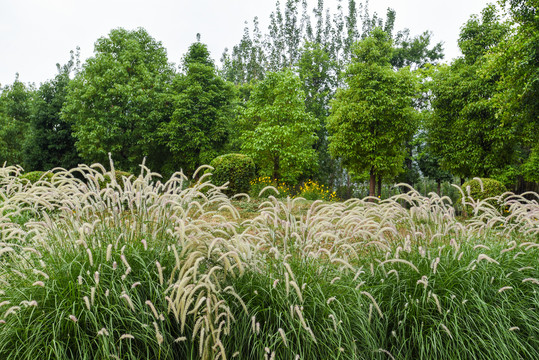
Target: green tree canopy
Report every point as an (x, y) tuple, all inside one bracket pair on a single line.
[(50, 142), (203, 109), (318, 83), (517, 97), (373, 116), (278, 131), (117, 101), (465, 132), (16, 110)]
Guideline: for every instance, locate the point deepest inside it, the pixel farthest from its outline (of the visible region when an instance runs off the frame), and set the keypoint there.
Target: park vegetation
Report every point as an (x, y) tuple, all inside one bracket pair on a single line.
[(287, 246), (139, 268), (339, 98)]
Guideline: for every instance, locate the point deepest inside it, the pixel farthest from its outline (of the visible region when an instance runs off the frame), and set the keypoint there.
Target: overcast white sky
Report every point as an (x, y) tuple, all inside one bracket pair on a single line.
[(37, 34)]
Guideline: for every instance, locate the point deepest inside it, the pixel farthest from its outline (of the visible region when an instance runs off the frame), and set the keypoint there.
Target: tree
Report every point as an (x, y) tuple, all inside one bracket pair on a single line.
[(415, 52), (517, 96), (203, 108), (15, 113), (315, 73), (318, 50), (278, 131), (117, 101), (465, 132), (371, 119), (429, 163), (50, 142)]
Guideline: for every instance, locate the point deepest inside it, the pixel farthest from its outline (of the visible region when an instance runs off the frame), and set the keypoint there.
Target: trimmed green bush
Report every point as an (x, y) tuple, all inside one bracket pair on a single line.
[(35, 176), (491, 188), (119, 178), (237, 169)]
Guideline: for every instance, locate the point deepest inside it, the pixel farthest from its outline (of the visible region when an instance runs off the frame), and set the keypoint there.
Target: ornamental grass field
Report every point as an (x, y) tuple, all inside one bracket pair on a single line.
[(149, 269)]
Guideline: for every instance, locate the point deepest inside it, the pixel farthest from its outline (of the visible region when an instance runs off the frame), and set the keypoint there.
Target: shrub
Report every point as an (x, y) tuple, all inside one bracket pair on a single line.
[(311, 190), (262, 182), (119, 175), (35, 176), (491, 188), (236, 169)]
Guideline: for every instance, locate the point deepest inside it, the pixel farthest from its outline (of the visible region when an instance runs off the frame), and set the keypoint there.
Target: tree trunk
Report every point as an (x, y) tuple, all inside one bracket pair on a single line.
[(276, 169), (439, 187), (379, 186), (348, 186), (372, 183)]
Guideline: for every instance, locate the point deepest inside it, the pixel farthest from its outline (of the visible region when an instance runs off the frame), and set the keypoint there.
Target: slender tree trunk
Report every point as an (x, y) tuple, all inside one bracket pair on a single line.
[(276, 168), (348, 186), (379, 186), (439, 188), (372, 183)]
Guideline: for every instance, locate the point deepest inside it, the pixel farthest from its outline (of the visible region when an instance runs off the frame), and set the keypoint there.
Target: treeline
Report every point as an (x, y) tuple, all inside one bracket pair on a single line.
[(335, 97)]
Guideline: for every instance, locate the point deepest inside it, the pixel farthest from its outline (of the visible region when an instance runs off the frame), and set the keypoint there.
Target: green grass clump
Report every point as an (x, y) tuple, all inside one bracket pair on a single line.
[(165, 271)]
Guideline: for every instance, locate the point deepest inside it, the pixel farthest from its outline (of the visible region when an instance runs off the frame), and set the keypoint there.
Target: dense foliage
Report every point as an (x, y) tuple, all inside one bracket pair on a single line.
[(237, 170), (278, 133), (118, 99), (98, 264), (485, 103), (479, 189), (476, 116), (373, 117), (49, 142), (202, 119), (35, 176)]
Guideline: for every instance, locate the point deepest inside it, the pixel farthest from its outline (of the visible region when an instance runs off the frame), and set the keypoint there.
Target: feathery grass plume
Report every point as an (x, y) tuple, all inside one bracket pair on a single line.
[(92, 295), (158, 335), (387, 353), (283, 336), (87, 302), (103, 332), (300, 316), (402, 261), (152, 307), (487, 258), (159, 271), (39, 272), (438, 306), (373, 302), (298, 291), (90, 256), (109, 252), (6, 250), (4, 303), (128, 300), (11, 310), (504, 289), (446, 330), (330, 300)]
